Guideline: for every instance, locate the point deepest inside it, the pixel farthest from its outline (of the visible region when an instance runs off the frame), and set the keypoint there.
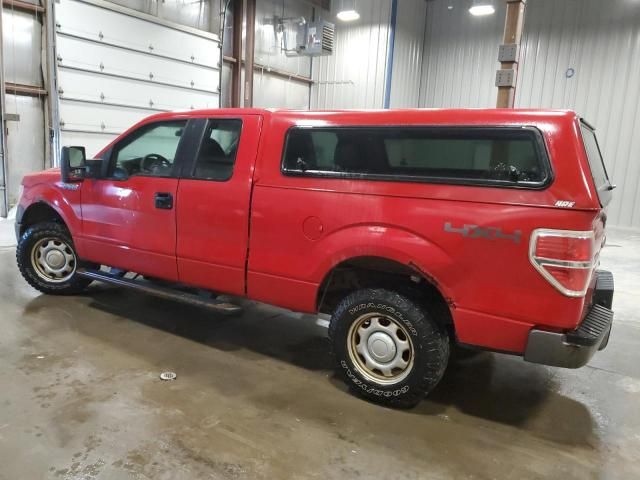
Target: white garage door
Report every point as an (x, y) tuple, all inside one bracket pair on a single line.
[(116, 66)]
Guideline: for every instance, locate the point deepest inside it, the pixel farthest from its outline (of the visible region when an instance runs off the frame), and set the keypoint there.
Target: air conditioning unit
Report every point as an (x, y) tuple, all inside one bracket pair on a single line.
[(315, 38)]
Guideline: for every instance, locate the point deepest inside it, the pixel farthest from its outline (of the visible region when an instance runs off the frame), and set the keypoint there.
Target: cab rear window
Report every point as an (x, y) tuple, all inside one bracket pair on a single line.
[(503, 156)]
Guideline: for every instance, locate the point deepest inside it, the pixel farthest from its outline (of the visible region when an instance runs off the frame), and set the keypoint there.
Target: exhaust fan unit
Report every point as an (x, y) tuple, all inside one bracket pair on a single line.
[(315, 38)]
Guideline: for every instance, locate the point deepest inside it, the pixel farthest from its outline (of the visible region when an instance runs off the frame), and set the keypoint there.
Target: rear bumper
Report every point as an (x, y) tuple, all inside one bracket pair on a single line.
[(575, 348)]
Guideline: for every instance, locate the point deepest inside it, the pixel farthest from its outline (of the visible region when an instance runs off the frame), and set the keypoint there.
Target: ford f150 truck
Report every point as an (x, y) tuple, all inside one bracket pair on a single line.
[(414, 229)]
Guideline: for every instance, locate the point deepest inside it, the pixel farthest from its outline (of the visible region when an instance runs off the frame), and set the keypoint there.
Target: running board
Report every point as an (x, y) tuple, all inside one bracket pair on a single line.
[(163, 292)]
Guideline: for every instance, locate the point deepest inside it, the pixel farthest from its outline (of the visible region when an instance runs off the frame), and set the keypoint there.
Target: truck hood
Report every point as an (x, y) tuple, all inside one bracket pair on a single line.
[(51, 175)]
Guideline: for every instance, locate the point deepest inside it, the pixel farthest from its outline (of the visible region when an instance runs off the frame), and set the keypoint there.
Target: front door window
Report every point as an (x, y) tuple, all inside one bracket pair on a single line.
[(151, 151)]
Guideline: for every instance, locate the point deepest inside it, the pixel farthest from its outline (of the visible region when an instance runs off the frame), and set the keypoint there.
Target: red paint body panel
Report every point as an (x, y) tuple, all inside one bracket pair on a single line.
[(213, 221), (274, 238), (46, 187), (121, 227)]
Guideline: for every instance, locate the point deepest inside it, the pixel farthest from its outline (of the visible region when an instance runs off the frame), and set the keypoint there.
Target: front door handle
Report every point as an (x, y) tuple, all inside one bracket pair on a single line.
[(163, 200)]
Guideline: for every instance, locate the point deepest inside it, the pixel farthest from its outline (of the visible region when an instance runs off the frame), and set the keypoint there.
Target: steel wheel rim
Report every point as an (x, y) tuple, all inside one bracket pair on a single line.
[(380, 348), (53, 260)]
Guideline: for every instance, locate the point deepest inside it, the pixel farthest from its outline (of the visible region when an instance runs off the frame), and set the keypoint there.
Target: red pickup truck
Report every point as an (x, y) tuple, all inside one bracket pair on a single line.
[(413, 229)]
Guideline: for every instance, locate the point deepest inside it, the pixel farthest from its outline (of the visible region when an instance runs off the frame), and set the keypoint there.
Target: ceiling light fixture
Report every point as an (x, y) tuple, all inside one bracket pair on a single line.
[(348, 12), (348, 15), (481, 8)]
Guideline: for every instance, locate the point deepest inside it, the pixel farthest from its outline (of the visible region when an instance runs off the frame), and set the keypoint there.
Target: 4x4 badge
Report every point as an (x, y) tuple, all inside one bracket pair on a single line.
[(490, 233)]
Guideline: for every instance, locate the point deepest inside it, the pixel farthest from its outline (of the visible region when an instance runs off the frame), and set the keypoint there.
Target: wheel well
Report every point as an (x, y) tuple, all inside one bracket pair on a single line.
[(38, 213), (377, 272)]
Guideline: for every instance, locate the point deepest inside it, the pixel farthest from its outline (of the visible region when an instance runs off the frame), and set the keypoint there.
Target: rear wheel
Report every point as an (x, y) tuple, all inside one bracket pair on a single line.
[(387, 347), (47, 259)]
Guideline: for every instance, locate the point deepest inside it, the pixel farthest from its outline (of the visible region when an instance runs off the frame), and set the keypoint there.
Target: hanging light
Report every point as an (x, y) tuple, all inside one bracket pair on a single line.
[(348, 12), (481, 7)]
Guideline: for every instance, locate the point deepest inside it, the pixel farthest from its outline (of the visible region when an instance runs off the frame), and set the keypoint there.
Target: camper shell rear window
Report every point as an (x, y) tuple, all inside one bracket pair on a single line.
[(493, 156)]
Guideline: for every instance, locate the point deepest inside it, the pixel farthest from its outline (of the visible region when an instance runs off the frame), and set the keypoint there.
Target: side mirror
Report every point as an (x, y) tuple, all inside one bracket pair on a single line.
[(73, 162)]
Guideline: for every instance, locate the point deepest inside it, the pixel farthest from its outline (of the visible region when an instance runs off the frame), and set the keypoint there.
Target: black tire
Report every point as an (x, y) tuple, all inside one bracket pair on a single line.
[(429, 341), (30, 238)]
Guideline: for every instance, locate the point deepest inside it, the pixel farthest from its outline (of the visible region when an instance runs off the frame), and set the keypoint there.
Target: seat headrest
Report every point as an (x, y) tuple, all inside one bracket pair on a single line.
[(300, 146), (210, 148), (348, 156)]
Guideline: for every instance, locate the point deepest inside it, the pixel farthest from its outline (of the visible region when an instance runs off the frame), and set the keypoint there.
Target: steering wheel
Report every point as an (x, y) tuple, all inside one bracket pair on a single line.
[(152, 161)]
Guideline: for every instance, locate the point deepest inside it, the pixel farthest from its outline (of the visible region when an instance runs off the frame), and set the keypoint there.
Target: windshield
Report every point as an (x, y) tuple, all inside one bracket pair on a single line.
[(598, 170)]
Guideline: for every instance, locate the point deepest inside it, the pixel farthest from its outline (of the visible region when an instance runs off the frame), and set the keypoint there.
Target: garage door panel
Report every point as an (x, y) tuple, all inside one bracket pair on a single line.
[(116, 66), (92, 142), (93, 87), (103, 24), (75, 52), (99, 118)]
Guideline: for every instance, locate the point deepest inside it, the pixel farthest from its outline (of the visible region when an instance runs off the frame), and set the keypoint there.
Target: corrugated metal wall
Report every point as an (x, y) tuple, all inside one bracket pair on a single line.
[(354, 76), (270, 90), (25, 139), (270, 44), (408, 53), (598, 40), (585, 55), (460, 55)]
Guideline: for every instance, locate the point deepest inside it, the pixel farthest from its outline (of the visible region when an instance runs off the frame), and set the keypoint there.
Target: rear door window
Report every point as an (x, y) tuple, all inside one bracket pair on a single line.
[(496, 156), (217, 153), (596, 163)]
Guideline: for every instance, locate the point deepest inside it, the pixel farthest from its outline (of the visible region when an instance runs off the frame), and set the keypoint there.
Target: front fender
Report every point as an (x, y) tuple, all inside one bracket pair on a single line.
[(64, 198)]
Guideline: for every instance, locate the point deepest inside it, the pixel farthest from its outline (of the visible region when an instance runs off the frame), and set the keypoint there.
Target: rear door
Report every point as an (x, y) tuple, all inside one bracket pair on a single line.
[(129, 218), (213, 203)]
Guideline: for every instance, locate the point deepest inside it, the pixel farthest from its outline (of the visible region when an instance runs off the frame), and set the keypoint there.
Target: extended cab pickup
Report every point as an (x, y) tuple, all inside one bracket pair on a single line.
[(413, 229)]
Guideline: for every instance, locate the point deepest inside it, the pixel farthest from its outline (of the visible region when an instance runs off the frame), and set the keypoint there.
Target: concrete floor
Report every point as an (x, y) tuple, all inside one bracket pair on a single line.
[(255, 397)]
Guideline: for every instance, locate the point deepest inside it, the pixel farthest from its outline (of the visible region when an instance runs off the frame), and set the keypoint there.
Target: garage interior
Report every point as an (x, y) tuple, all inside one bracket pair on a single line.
[(255, 396)]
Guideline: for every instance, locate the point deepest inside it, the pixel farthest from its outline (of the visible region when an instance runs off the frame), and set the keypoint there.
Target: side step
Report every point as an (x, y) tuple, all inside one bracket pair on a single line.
[(150, 288)]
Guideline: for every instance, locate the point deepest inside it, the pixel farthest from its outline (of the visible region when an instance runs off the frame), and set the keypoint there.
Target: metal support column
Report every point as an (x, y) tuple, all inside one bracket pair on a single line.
[(4, 171), (236, 68), (513, 25), (390, 49), (249, 53), (51, 81)]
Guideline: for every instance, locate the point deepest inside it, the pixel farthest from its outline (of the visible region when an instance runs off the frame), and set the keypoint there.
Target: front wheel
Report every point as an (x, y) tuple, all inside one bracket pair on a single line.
[(47, 260), (388, 348)]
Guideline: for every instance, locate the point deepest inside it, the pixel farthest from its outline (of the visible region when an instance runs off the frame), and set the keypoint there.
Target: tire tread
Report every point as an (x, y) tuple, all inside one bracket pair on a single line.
[(72, 286), (432, 337)]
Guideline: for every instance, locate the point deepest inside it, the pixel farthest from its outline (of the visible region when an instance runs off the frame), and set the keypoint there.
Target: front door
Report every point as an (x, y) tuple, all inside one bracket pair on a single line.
[(129, 218)]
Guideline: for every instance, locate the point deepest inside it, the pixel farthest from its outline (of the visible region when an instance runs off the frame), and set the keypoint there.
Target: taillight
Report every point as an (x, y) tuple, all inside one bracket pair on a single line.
[(566, 258)]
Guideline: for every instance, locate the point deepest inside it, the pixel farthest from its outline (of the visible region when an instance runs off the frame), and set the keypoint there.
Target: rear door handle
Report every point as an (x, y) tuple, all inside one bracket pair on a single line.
[(163, 200)]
